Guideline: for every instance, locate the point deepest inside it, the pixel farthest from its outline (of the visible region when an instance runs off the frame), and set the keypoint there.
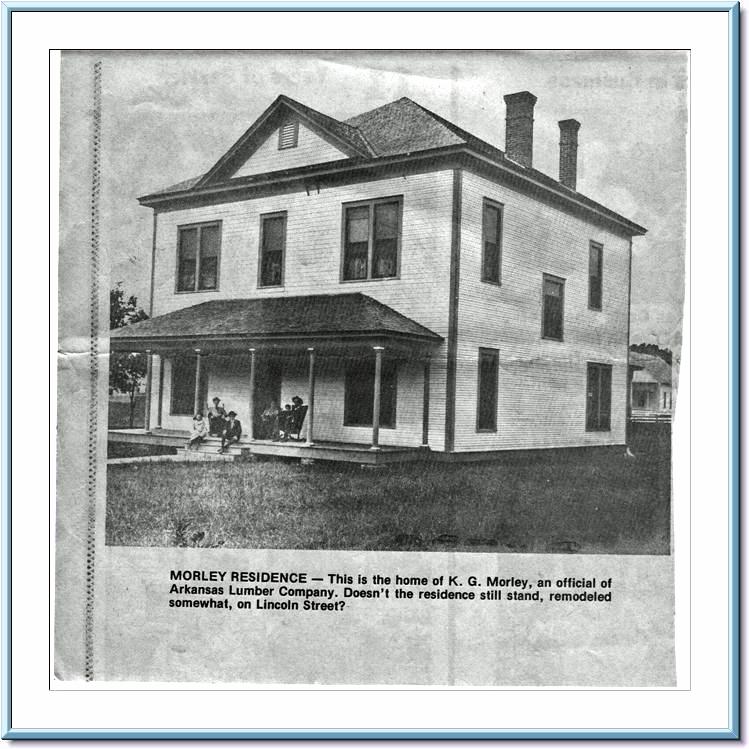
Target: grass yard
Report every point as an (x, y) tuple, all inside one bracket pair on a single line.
[(602, 503)]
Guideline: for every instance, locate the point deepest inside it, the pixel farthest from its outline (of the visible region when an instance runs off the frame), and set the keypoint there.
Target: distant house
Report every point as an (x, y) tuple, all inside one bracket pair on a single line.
[(651, 384), (415, 285)]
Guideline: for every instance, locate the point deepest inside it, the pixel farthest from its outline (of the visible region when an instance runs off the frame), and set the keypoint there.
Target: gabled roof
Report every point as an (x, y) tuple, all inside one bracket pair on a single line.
[(278, 318), (656, 369), (346, 137), (397, 129)]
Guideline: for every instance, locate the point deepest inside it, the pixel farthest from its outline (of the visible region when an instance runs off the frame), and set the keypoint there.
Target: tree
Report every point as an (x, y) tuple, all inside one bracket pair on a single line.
[(653, 350), (126, 369)]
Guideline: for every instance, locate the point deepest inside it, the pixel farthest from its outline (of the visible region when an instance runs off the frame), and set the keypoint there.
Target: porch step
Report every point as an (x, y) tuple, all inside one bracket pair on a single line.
[(209, 450)]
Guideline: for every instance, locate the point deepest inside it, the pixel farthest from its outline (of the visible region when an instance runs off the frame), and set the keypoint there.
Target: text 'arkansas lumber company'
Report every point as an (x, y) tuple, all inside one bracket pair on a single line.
[(267, 591)]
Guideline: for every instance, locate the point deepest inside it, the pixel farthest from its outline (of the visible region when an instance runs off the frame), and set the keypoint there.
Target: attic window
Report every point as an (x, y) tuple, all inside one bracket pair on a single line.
[(288, 135)]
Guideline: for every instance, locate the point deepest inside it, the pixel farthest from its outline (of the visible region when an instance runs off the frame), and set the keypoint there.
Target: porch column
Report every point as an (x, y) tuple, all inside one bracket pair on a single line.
[(310, 395), (376, 398), (196, 403), (251, 405), (425, 413), (161, 392), (149, 377)]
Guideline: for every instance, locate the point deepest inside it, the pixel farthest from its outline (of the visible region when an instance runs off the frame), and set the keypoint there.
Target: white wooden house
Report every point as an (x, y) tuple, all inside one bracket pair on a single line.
[(651, 385), (416, 286)]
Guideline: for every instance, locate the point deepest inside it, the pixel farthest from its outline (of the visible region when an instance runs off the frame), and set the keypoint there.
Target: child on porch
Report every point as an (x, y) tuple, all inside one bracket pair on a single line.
[(199, 432)]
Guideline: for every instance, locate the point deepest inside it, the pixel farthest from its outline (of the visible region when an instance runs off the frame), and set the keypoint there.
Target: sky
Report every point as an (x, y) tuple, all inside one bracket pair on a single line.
[(169, 116)]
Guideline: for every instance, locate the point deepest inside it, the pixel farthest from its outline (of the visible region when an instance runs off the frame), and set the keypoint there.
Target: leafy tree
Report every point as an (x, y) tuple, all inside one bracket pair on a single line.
[(653, 350), (126, 369), (123, 311)]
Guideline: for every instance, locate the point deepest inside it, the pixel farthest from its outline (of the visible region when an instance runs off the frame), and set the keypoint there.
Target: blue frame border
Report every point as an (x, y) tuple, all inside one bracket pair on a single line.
[(732, 8)]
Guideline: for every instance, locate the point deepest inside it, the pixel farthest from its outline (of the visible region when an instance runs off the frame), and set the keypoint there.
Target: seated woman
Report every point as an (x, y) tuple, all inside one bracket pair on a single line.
[(296, 418), (199, 432), (216, 418)]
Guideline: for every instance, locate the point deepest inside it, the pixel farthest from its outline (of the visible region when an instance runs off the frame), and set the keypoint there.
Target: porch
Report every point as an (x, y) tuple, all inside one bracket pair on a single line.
[(246, 449), (362, 370)]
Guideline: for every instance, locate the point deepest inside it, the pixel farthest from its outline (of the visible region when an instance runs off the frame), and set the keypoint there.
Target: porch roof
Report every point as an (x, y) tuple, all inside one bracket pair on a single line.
[(276, 319)]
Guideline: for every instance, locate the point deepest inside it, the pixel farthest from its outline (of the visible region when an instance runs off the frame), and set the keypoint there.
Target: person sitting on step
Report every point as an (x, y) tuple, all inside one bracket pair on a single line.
[(199, 432), (216, 418), (232, 432)]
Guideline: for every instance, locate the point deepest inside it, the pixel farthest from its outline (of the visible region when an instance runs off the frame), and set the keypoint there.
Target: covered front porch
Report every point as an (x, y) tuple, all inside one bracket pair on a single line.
[(344, 452), (362, 371)]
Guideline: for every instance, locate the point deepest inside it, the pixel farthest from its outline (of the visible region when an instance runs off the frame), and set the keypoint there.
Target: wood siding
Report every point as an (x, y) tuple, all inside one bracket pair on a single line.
[(312, 266), (310, 149), (229, 379), (542, 383)]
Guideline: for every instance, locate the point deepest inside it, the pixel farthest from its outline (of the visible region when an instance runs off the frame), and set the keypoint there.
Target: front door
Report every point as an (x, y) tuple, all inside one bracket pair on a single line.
[(267, 392)]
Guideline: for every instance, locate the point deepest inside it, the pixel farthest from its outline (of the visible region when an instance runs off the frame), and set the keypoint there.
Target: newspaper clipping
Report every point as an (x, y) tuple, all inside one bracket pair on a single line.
[(368, 367)]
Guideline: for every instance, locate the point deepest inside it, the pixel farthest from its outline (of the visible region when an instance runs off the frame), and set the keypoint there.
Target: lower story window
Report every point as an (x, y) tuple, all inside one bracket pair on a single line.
[(358, 404), (598, 401), (183, 386), (486, 410)]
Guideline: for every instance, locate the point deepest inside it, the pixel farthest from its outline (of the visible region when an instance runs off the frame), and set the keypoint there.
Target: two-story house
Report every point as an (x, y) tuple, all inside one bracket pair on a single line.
[(416, 286)]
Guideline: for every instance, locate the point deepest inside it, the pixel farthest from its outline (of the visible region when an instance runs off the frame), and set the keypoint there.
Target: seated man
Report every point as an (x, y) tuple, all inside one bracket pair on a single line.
[(216, 418), (232, 432)]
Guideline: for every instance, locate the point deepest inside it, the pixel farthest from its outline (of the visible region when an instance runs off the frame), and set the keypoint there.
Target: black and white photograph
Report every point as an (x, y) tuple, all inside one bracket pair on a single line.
[(404, 301)]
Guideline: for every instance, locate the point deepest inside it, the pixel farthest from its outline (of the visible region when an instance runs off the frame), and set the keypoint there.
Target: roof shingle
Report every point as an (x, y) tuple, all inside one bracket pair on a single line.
[(279, 317)]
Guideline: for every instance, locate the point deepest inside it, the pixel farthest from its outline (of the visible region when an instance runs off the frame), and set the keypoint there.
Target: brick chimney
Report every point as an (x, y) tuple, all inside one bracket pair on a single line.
[(519, 127), (568, 152)]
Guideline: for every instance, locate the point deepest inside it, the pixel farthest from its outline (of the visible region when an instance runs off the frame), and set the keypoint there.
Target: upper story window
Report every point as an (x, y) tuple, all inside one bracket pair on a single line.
[(288, 135), (371, 239), (272, 249), (198, 251), (491, 263), (553, 314), (595, 275)]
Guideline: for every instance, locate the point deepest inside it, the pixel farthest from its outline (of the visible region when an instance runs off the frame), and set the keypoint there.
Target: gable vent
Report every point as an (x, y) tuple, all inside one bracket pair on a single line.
[(288, 135)]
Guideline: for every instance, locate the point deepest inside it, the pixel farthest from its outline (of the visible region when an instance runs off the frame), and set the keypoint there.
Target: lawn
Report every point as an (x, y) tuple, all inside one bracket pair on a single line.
[(590, 503)]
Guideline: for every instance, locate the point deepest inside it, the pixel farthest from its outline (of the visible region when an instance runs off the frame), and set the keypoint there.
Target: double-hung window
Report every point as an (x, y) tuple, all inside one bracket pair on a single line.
[(272, 249), (486, 407), (595, 276), (371, 239), (358, 402), (553, 308), (491, 263), (198, 251), (598, 400)]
